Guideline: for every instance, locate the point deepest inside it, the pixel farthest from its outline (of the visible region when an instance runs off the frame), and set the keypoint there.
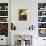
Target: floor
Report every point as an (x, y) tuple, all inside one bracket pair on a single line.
[(3, 45)]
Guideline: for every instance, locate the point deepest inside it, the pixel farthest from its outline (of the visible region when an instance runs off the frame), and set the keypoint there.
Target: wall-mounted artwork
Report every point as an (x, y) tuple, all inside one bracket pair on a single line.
[(22, 13)]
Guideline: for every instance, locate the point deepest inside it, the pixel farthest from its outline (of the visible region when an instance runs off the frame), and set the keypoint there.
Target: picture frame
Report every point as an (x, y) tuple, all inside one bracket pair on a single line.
[(22, 13)]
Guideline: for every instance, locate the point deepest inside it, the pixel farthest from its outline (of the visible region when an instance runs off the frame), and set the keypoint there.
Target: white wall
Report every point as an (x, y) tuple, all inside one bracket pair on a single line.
[(31, 16), (32, 6)]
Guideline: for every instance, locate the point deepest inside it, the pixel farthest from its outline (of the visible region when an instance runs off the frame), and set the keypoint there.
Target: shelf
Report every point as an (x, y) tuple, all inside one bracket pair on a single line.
[(42, 19), (41, 22), (41, 28), (3, 22), (3, 16), (3, 10), (42, 37), (42, 16), (41, 10), (4, 19)]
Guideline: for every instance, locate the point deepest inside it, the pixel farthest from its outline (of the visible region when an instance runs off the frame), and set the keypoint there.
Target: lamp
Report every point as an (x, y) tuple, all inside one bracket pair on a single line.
[(31, 27), (24, 37)]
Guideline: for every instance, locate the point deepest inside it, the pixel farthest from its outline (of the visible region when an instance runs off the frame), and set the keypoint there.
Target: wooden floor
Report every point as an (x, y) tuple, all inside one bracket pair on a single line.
[(3, 45)]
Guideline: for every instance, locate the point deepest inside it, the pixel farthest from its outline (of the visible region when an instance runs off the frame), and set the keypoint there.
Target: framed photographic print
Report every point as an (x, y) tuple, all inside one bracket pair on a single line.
[(22, 13)]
